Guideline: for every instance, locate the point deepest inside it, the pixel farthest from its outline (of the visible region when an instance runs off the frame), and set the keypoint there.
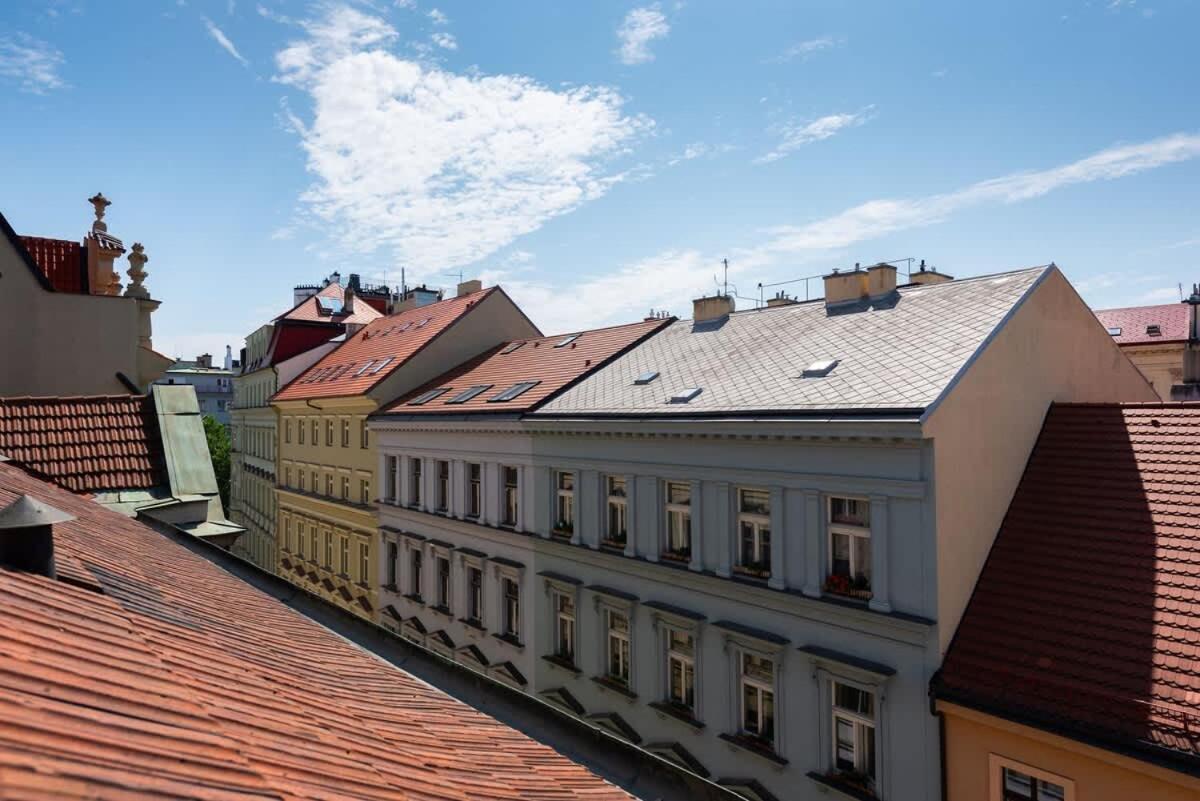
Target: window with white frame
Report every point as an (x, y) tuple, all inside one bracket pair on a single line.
[(345, 433), (511, 624), (345, 563), (329, 432), (564, 625), (757, 680), (328, 550), (316, 432), (678, 543), (511, 498), (393, 470), (616, 525), (442, 497), (414, 482), (392, 556), (415, 573), (301, 430), (363, 434), (1013, 781), (345, 488), (754, 532), (681, 669), (364, 491), (474, 490), (329, 485), (443, 582), (564, 502), (854, 731), (475, 595), (364, 563), (617, 647), (849, 548)]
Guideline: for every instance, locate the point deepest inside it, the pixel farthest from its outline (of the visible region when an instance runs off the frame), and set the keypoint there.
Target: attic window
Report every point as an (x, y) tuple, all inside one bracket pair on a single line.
[(513, 347), (1114, 330), (646, 377), (469, 393), (685, 395), (820, 369), (329, 305), (514, 391), (365, 367), (567, 340), (1153, 330), (381, 365), (426, 397)]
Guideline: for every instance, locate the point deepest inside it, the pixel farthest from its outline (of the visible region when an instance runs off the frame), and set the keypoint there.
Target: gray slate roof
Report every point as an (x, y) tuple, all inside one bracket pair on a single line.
[(898, 356)]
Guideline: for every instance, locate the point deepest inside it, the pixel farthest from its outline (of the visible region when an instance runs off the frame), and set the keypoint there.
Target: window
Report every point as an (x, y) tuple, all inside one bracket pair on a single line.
[(442, 498), (392, 556), (301, 431), (345, 566), (849, 548), (416, 574), (287, 431), (316, 482), (364, 563), (345, 433), (758, 698), (754, 532), (564, 502), (329, 433), (681, 669), (364, 492), (287, 476), (316, 433), (329, 484), (469, 393), (567, 340), (616, 528), (511, 491), (329, 550), (679, 520), (366, 366), (617, 647), (287, 534), (475, 595), (363, 442), (474, 489), (564, 626), (853, 730), (1012, 781), (346, 488), (426, 397), (443, 582), (414, 481), (393, 469), (646, 377), (514, 391), (303, 479), (512, 608)]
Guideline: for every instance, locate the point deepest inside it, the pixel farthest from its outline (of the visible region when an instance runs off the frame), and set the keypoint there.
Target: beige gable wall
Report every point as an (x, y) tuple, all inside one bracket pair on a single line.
[(1161, 364), (1052, 348)]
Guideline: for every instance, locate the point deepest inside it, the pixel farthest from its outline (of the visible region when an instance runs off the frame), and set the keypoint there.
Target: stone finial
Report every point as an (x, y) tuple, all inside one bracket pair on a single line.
[(137, 272), (99, 203)]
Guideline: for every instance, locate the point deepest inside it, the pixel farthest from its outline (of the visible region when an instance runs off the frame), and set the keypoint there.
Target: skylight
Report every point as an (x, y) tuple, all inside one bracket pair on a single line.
[(685, 395), (567, 340), (329, 305), (1114, 330), (365, 367), (423, 322), (514, 391), (381, 365), (426, 397), (646, 377), (469, 393), (820, 369), (512, 347)]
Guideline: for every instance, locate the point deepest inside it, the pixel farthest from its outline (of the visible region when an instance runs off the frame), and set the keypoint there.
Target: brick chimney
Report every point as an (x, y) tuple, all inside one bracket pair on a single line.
[(780, 299), (467, 287), (27, 535), (881, 281), (928, 276), (204, 360), (348, 300), (1189, 390), (712, 308), (845, 287)]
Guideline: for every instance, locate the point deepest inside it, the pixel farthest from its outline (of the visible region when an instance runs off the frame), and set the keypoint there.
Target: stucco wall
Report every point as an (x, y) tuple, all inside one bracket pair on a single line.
[(1052, 348), (1162, 365), (1098, 775)]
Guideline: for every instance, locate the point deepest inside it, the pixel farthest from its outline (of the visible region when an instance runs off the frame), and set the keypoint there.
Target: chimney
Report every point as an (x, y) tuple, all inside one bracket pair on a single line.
[(467, 287), (204, 360), (335, 278), (228, 358), (930, 276), (881, 281), (780, 299), (348, 300), (27, 536), (1189, 390), (848, 287), (712, 308), (354, 282)]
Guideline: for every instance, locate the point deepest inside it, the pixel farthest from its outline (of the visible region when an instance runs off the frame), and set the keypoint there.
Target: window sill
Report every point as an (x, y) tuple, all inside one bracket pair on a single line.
[(613, 545), (561, 534), (510, 640), (673, 556), (676, 713), (853, 595), (442, 610), (754, 746), (842, 787), (611, 684), (390, 587), (561, 663), (473, 624), (751, 572), (416, 599)]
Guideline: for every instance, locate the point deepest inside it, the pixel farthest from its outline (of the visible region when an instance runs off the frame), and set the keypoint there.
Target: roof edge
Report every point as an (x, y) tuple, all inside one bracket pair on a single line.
[(15, 240)]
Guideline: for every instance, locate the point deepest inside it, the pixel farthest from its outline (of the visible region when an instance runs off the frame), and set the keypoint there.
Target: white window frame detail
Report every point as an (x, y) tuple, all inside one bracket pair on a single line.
[(616, 502), (625, 639), (686, 661), (564, 503), (759, 522), (474, 492), (858, 722), (441, 492), (504, 630), (997, 764), (515, 522), (825, 673), (852, 532), (674, 511)]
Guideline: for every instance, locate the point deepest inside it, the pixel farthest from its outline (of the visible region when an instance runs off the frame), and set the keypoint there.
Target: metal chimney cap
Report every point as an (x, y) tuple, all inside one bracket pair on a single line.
[(27, 511)]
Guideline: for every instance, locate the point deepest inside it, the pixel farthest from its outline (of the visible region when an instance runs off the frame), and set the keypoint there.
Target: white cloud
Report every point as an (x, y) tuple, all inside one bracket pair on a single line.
[(444, 40), (440, 168), (793, 136), (697, 150), (640, 27), (407, 5), (670, 278), (220, 38), (1166, 294), (805, 49), (438, 18), (30, 63)]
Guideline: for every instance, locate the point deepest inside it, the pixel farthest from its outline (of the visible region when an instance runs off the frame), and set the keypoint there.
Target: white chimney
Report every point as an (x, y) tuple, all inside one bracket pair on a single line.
[(228, 358)]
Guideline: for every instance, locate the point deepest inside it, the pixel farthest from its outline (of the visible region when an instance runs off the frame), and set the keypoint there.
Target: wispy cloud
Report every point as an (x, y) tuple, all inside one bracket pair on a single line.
[(220, 38), (793, 136), (806, 49), (437, 17), (444, 40), (30, 63), (697, 150), (666, 280), (640, 27), (437, 167)]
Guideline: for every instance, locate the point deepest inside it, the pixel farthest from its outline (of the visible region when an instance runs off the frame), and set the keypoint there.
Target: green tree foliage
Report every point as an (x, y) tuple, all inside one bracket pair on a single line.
[(218, 449)]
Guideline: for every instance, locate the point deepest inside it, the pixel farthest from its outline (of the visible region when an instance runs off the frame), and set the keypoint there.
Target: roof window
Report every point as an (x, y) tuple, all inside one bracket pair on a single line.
[(365, 367), (1153, 330), (426, 397), (820, 369), (329, 305), (567, 340), (646, 377), (469, 393), (1114, 330), (514, 391), (381, 365), (512, 347), (685, 395)]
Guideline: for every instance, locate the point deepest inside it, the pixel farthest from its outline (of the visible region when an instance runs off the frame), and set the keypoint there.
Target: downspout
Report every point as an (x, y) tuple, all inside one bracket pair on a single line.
[(941, 719)]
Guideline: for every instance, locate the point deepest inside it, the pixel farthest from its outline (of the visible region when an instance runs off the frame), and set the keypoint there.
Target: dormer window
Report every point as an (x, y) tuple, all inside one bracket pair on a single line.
[(1153, 330)]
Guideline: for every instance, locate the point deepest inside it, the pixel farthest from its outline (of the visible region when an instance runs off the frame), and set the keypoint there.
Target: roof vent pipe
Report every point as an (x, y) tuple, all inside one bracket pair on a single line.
[(27, 536)]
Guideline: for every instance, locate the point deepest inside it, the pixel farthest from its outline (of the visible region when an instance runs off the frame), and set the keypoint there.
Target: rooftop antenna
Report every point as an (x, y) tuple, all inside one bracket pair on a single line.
[(459, 274), (726, 263)]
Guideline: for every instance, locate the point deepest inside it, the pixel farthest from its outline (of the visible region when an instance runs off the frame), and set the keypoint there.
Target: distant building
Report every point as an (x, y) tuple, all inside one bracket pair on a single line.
[(1154, 338), (213, 385), (66, 326)]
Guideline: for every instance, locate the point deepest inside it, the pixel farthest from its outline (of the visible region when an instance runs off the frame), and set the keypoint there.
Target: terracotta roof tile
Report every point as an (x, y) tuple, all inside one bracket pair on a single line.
[(1134, 322), (526, 360), (1087, 613), (180, 681), (86, 444), (62, 261), (309, 309), (372, 354)]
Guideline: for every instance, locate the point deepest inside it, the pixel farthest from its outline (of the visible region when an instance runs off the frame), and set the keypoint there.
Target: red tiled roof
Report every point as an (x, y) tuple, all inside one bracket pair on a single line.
[(171, 678), (309, 309), (86, 444), (63, 262), (389, 341), (1171, 318), (533, 360), (1086, 617)]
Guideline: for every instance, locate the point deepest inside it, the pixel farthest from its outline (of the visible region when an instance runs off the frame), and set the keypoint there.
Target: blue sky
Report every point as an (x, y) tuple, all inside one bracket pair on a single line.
[(601, 159)]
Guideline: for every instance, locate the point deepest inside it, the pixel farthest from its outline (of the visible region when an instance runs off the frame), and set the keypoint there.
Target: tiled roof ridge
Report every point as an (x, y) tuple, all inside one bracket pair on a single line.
[(74, 398), (582, 331), (1144, 306)]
